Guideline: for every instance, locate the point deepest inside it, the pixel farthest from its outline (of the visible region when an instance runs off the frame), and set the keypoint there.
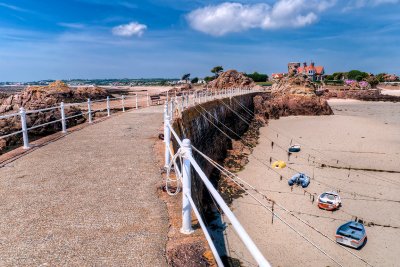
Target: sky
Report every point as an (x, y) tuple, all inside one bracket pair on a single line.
[(66, 39)]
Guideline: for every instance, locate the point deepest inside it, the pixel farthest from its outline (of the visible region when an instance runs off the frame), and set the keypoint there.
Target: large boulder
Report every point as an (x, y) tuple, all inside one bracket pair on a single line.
[(41, 97), (294, 85), (231, 78), (295, 95)]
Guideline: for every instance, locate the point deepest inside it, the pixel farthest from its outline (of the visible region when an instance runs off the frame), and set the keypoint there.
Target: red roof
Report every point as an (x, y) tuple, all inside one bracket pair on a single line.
[(318, 69)]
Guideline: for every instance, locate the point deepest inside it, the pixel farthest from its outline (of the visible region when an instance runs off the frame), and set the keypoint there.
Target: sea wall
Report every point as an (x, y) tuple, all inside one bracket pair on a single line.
[(200, 125)]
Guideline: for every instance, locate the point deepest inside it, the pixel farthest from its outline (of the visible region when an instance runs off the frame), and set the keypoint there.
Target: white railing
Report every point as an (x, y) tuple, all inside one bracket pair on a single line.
[(63, 119), (183, 171)]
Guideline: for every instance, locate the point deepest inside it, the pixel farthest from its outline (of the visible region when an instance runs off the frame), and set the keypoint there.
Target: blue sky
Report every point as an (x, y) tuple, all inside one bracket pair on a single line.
[(47, 39)]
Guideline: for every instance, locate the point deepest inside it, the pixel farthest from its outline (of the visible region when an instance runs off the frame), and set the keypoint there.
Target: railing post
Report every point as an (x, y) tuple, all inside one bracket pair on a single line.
[(123, 103), (167, 136), (24, 129), (108, 106), (186, 188), (63, 122), (148, 100), (171, 115), (136, 101), (89, 110)]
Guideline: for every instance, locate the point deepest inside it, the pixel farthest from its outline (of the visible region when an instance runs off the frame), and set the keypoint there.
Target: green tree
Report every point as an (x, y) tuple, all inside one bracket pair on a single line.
[(338, 75), (217, 70), (373, 81), (329, 77), (186, 76), (380, 77), (356, 74), (258, 77), (209, 78), (195, 80)]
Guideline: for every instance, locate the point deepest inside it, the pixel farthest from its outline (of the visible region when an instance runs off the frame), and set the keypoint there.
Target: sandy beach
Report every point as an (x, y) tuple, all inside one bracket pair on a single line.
[(359, 135)]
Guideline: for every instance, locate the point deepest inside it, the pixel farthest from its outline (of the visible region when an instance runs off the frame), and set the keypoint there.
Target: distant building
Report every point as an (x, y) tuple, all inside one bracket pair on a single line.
[(277, 76), (315, 73), (292, 67)]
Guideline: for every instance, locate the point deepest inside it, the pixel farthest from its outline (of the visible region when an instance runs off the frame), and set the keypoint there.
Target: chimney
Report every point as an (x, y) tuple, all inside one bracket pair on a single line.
[(305, 64), (312, 64)]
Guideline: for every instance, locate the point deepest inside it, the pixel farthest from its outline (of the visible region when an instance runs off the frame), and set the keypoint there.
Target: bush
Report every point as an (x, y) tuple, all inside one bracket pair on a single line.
[(258, 77), (195, 80), (354, 74), (209, 78)]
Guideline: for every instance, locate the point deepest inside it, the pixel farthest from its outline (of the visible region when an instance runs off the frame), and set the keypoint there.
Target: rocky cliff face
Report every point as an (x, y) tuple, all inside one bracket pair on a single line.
[(231, 78)]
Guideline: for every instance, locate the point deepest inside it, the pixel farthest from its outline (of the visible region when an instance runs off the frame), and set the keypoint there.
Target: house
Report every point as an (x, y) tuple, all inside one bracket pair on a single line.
[(315, 73), (277, 76)]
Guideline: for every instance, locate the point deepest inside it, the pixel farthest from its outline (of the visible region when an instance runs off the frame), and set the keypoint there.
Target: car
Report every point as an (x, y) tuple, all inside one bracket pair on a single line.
[(351, 234), (329, 201)]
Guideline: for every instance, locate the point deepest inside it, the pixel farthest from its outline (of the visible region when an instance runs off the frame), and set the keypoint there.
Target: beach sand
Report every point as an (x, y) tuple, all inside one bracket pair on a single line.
[(360, 135)]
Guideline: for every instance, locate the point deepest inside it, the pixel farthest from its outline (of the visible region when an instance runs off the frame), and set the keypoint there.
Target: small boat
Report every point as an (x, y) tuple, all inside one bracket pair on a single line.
[(351, 234), (279, 164), (294, 148), (299, 179), (329, 201)]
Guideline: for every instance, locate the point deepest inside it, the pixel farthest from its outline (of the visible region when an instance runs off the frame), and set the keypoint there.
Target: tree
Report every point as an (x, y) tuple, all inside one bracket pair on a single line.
[(217, 70), (195, 80), (186, 76), (373, 81), (258, 77), (209, 78), (356, 74), (381, 77)]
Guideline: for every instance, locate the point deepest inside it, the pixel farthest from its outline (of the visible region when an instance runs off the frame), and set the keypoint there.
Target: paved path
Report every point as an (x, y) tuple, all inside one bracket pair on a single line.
[(88, 199)]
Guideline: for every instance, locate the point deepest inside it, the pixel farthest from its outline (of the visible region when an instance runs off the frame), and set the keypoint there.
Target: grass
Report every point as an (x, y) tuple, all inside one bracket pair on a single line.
[(264, 83)]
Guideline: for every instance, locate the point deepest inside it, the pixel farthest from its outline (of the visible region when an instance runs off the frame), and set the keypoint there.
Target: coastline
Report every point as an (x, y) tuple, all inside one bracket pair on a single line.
[(357, 135)]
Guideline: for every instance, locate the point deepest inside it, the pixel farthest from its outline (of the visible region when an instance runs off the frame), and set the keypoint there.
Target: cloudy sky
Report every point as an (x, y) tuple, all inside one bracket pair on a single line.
[(47, 39)]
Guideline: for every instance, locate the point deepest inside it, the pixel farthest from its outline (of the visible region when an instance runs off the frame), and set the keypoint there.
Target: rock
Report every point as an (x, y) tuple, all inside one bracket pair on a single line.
[(40, 97), (294, 85), (364, 95), (230, 79)]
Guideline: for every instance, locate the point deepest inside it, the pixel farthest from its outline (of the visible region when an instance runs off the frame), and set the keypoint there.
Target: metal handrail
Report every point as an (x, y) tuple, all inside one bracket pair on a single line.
[(23, 113), (189, 161)]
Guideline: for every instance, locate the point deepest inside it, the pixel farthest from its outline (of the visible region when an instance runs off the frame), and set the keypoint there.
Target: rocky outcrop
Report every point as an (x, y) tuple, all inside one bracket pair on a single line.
[(294, 95), (294, 85), (364, 95), (40, 97), (273, 107), (231, 78)]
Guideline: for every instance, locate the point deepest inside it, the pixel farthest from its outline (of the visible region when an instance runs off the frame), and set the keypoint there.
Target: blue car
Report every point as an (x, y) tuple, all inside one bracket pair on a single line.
[(351, 234), (299, 179)]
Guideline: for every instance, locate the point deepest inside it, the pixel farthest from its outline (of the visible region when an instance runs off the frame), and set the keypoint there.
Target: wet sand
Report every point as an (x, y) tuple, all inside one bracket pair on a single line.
[(360, 135)]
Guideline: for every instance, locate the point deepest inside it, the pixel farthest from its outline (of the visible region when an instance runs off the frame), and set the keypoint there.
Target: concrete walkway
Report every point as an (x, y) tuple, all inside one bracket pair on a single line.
[(88, 199)]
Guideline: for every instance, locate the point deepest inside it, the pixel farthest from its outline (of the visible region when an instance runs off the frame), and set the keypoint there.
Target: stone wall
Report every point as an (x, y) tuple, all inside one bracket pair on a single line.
[(208, 139)]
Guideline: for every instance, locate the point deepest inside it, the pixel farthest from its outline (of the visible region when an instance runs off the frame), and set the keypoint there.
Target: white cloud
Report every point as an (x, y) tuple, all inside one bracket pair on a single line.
[(72, 25), (230, 17), (12, 7), (130, 29), (353, 4)]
